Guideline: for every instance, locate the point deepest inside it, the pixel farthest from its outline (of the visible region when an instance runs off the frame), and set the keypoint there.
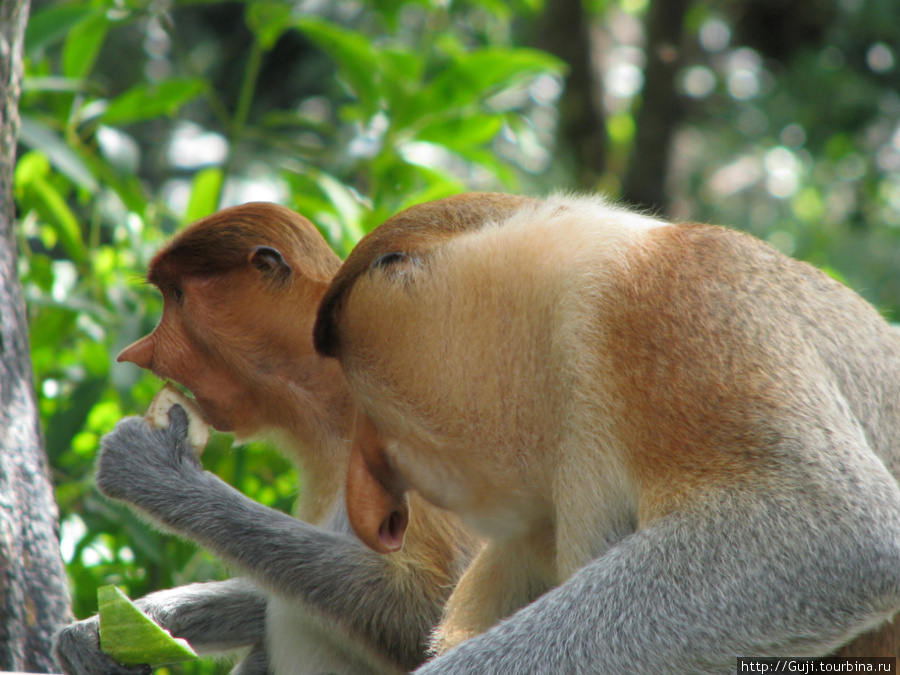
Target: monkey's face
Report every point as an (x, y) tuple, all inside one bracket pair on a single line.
[(240, 290), (179, 349), (235, 342)]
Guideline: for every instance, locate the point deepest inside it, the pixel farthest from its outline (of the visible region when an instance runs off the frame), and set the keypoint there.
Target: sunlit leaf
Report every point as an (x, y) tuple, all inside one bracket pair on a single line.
[(39, 136), (353, 54), (52, 23), (488, 159), (808, 205), (68, 422), (462, 130), (400, 75), (268, 19), (52, 84), (131, 637), (480, 72), (83, 44), (30, 167), (146, 101), (206, 189), (345, 203), (621, 128), (32, 178), (499, 8)]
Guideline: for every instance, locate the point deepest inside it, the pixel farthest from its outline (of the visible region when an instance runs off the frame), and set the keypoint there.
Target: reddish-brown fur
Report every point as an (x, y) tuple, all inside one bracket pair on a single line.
[(237, 331)]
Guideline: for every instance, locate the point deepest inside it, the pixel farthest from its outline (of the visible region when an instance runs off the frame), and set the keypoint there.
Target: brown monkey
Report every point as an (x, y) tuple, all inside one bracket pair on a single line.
[(678, 442), (240, 289)]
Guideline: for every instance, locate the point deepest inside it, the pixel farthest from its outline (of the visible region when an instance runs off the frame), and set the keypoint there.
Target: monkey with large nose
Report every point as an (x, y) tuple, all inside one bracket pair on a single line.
[(240, 291), (681, 445)]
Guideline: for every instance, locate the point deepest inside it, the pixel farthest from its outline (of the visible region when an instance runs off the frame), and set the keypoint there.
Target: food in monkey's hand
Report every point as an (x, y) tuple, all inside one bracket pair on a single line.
[(131, 638), (157, 416)]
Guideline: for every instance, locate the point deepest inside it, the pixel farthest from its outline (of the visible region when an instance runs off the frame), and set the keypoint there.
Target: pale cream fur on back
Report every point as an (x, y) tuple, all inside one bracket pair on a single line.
[(547, 268)]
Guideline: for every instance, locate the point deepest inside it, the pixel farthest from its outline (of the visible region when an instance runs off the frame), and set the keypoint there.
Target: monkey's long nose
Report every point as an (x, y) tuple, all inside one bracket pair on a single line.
[(377, 514), (139, 353)]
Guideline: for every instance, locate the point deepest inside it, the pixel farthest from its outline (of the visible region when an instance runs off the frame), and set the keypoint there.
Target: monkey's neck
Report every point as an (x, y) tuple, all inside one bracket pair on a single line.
[(318, 429), (321, 481)]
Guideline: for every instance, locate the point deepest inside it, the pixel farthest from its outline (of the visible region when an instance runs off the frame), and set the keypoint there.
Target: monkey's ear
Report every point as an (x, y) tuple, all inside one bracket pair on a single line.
[(271, 263)]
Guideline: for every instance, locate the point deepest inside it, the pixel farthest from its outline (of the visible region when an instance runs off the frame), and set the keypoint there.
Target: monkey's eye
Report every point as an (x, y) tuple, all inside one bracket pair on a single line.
[(389, 260), (178, 294)]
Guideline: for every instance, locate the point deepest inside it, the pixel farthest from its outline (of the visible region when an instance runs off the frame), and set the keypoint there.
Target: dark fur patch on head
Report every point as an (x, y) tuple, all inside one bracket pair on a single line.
[(223, 242), (412, 230)]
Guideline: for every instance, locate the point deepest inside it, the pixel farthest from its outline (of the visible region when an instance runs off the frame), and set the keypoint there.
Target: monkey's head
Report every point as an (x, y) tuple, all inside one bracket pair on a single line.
[(419, 319), (240, 289)]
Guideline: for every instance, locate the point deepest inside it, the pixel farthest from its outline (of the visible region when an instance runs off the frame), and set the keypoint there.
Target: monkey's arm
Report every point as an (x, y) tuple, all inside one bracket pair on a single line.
[(747, 575), (332, 574), (216, 616)]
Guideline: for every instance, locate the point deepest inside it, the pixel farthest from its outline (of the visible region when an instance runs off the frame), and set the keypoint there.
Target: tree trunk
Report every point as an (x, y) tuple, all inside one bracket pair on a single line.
[(565, 31), (34, 599), (661, 107)]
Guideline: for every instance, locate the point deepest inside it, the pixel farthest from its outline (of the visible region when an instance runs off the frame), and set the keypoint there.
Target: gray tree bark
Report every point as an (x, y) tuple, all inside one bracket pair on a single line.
[(34, 600)]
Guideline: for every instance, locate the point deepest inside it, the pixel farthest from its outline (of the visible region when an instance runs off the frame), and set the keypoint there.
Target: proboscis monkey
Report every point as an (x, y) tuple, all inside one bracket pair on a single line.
[(240, 290), (680, 444)]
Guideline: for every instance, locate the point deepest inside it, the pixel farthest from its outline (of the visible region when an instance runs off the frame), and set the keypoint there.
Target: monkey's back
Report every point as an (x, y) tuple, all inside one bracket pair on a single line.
[(721, 344)]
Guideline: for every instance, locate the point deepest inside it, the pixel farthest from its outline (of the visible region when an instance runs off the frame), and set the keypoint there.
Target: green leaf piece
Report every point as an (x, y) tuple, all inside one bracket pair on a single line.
[(268, 20), (206, 188), (354, 55), (53, 23), (131, 638), (149, 100), (35, 134), (83, 44)]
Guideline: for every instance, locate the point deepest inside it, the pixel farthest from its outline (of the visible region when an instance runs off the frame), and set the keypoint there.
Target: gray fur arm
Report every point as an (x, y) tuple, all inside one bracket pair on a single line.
[(215, 616), (750, 575), (334, 574)]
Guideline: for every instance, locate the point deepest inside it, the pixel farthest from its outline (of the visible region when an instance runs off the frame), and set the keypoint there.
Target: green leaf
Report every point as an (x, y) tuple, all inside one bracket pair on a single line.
[(39, 136), (31, 166), (131, 637), (477, 74), (32, 176), (83, 44), (53, 23), (353, 54), (330, 204), (400, 74), (268, 20), (437, 187), (146, 101), (345, 203), (489, 160), (500, 8), (462, 131), (391, 10), (52, 84), (70, 418), (205, 191)]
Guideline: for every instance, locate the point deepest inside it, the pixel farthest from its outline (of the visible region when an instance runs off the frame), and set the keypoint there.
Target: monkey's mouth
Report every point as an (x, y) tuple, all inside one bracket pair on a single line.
[(189, 395), (209, 411)]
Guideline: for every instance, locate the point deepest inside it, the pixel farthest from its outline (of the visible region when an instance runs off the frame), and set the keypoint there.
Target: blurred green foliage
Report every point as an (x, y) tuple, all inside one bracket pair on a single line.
[(140, 116), (130, 130)]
